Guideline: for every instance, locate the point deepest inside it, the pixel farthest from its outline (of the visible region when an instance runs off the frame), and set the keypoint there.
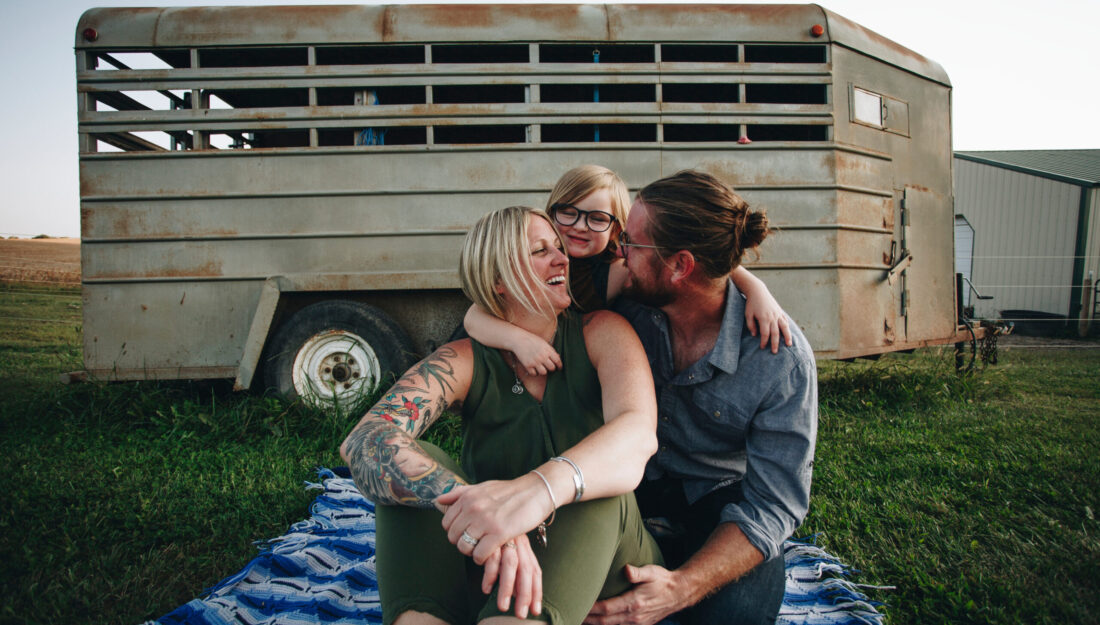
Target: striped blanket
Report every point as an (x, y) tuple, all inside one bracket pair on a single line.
[(322, 571)]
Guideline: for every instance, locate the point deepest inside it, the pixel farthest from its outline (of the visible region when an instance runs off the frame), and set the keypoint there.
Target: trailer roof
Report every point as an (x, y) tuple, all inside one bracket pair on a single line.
[(142, 28)]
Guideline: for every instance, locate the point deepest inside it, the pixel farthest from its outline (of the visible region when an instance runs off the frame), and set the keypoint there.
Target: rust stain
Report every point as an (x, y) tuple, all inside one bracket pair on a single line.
[(488, 15), (779, 13), (389, 19), (120, 225), (462, 16), (144, 308), (202, 24), (211, 269), (87, 215), (891, 45)]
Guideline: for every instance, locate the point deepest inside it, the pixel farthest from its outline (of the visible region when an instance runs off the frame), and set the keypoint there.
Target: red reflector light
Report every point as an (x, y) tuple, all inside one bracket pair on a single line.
[(90, 34), (817, 30)]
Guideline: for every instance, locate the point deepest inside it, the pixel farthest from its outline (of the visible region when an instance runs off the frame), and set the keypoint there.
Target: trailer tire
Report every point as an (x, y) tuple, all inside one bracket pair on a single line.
[(333, 353)]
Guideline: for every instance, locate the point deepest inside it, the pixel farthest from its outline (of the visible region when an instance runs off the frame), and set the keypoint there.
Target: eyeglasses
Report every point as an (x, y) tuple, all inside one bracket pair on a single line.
[(625, 244), (567, 215)]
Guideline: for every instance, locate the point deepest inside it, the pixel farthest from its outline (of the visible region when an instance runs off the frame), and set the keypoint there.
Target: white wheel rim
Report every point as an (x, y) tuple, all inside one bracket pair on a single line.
[(335, 368)]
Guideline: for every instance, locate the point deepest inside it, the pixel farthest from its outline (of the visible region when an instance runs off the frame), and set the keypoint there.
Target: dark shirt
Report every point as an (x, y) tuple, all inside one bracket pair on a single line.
[(738, 414), (588, 278)]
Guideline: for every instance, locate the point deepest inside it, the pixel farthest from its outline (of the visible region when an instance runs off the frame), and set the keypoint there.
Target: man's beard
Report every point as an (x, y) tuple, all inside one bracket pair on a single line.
[(653, 294)]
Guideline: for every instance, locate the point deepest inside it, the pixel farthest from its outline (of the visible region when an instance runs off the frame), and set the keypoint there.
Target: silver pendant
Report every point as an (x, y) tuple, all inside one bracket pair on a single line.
[(517, 388)]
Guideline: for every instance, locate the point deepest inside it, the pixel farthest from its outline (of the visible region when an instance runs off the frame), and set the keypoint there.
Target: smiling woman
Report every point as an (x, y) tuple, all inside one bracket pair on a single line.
[(580, 435)]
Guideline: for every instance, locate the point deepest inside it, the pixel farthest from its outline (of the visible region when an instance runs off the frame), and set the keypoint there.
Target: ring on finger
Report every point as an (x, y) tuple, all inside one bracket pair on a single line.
[(469, 540), (510, 544)]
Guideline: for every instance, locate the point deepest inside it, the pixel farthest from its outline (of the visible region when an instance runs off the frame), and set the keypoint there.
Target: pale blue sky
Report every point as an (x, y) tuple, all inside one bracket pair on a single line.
[(1024, 77)]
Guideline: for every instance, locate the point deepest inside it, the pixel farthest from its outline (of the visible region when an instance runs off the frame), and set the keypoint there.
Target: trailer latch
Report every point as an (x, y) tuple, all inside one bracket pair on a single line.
[(900, 266)]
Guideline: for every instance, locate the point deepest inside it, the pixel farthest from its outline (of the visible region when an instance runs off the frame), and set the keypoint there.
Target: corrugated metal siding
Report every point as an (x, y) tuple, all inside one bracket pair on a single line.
[(1025, 230), (1092, 248)]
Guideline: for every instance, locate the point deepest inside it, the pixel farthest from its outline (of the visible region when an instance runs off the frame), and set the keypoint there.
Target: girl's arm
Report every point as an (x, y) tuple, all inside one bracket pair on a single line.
[(616, 278), (762, 312), (386, 462), (534, 354)]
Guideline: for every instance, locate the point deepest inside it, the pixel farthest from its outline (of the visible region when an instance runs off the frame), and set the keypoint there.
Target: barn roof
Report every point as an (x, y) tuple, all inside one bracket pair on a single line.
[(1079, 167)]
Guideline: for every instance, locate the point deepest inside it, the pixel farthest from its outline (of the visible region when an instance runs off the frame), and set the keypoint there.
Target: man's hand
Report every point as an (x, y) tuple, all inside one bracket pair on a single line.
[(655, 595)]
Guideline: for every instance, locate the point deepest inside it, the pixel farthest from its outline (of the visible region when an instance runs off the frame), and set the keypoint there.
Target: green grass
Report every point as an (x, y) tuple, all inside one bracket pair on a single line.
[(975, 495)]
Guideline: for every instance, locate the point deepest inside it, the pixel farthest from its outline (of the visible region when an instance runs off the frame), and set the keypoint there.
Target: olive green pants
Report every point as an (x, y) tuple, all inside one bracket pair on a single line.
[(589, 543)]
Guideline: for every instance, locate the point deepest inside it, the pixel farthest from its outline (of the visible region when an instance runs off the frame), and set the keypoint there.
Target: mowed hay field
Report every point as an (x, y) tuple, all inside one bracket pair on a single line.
[(40, 260)]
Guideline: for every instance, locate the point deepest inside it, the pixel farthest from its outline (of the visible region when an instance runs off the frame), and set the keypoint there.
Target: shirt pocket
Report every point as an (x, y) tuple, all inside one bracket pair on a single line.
[(720, 415)]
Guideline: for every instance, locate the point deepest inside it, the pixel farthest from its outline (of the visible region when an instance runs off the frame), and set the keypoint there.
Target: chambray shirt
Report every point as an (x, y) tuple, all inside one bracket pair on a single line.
[(740, 413)]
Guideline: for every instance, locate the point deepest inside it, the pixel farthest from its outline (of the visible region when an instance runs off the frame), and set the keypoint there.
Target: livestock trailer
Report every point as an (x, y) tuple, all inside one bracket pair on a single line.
[(280, 193)]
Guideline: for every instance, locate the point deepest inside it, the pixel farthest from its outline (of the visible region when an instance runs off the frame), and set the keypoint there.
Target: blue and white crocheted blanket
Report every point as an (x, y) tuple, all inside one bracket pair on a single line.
[(322, 571)]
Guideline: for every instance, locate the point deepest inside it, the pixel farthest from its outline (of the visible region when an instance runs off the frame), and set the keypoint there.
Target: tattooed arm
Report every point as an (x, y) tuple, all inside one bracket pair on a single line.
[(386, 462)]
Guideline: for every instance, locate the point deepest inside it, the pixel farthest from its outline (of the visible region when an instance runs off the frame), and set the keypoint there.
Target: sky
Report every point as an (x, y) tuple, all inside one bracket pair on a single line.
[(1024, 77)]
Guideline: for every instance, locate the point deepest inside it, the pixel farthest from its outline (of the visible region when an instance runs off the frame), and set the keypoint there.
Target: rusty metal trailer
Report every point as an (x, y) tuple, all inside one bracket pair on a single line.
[(285, 189)]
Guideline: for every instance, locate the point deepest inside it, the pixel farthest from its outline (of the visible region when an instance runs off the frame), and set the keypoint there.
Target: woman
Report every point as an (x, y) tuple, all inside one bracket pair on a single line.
[(534, 442)]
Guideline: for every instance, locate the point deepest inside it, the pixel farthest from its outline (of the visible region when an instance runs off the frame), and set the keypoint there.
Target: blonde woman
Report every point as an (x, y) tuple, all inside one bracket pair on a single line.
[(541, 508)]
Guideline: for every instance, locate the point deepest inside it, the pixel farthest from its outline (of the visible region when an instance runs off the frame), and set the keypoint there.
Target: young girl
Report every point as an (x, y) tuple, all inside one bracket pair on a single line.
[(589, 205)]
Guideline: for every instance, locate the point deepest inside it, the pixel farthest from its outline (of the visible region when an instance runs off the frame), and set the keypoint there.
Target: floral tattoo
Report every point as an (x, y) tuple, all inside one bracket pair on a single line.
[(385, 460)]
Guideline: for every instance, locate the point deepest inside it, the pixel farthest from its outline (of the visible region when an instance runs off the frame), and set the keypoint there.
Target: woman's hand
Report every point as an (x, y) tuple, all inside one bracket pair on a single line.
[(517, 570), (481, 517)]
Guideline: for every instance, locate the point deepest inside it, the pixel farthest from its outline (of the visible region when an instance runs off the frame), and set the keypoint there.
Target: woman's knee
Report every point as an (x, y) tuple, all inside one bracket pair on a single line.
[(412, 617)]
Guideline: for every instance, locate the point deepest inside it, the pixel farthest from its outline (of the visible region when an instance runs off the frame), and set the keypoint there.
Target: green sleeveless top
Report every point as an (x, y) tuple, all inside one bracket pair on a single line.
[(507, 435)]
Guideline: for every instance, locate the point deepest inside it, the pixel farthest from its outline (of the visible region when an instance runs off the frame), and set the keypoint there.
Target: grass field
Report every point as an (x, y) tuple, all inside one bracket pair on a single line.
[(976, 496)]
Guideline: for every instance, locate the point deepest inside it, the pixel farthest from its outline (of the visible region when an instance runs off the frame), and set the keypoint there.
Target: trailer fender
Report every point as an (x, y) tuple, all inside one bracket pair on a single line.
[(258, 331)]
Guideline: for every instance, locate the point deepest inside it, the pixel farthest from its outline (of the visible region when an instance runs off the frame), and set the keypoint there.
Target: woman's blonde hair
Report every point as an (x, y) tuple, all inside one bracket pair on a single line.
[(579, 182), (496, 252)]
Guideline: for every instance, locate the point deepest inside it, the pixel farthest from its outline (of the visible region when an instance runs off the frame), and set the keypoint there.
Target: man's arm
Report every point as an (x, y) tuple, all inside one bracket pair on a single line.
[(658, 592), (780, 450)]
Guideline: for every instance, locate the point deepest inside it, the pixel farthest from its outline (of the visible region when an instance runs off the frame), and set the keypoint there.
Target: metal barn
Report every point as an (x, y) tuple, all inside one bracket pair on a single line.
[(1036, 243)]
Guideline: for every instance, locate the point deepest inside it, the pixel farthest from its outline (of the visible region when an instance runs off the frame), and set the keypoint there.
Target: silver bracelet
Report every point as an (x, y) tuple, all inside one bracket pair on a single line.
[(578, 477), (542, 526)]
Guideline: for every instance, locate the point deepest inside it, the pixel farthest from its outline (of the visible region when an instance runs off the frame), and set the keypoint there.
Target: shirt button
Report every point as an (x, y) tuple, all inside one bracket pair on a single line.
[(717, 413), (691, 376)]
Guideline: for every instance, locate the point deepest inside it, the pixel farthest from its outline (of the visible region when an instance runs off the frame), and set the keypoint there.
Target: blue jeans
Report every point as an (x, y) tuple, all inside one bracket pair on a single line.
[(752, 600)]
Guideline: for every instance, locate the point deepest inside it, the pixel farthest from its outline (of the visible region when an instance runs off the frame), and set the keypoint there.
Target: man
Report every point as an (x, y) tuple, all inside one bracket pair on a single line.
[(737, 425)]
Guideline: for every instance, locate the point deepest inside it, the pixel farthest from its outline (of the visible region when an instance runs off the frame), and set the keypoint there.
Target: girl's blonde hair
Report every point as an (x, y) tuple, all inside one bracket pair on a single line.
[(577, 183), (496, 252)]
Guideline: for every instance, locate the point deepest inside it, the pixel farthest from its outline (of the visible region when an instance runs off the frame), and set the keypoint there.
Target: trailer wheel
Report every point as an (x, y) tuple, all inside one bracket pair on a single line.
[(333, 353)]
